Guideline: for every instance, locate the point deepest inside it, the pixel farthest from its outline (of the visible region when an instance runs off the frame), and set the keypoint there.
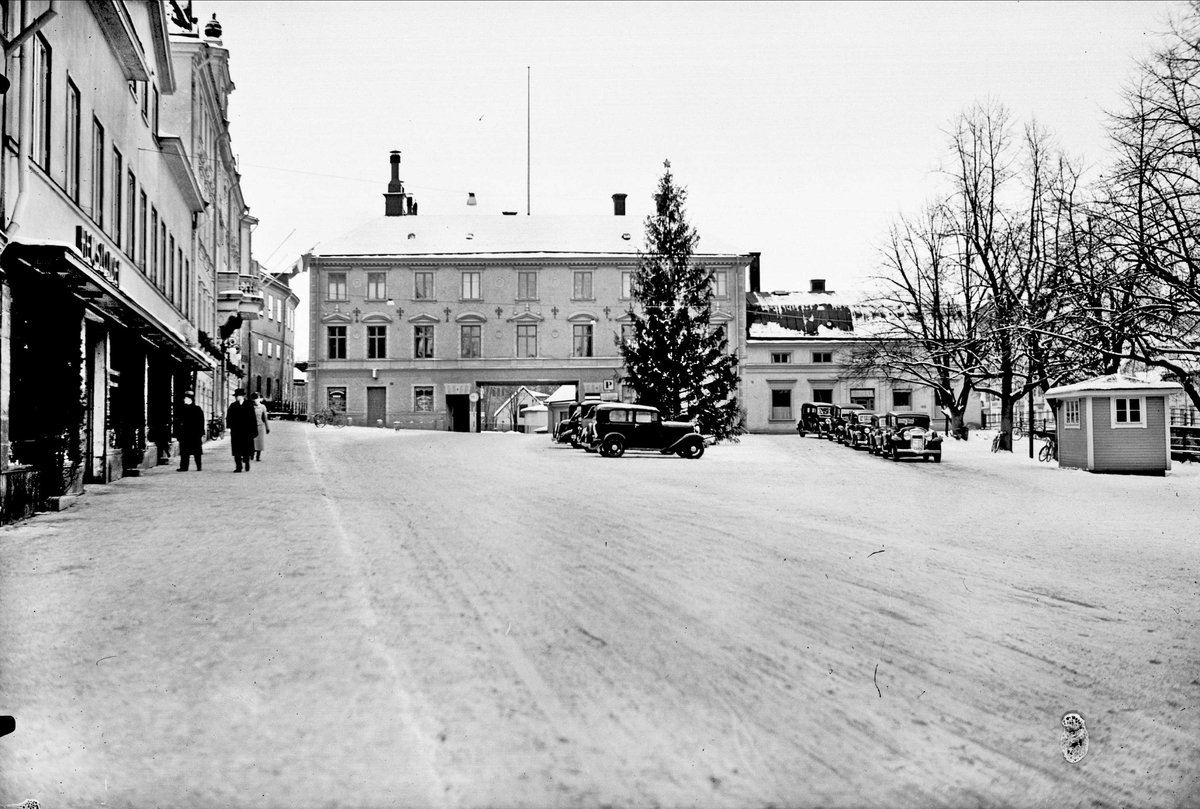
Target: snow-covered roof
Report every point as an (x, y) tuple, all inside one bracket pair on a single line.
[(812, 315), (482, 235), (565, 393), (1114, 382)]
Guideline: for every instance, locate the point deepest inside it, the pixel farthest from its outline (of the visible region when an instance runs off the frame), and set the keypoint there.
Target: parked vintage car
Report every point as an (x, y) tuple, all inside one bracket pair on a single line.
[(840, 420), (618, 427), (859, 428), (815, 418), (906, 434), (567, 431)]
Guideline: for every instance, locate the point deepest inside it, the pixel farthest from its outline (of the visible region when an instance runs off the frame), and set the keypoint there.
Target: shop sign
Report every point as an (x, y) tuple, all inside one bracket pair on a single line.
[(457, 388), (96, 254)]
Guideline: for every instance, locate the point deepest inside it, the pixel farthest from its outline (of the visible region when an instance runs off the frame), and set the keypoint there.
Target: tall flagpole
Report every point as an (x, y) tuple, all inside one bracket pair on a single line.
[(527, 141)]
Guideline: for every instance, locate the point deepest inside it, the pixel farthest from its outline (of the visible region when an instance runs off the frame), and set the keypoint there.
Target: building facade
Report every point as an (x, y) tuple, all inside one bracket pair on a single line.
[(797, 350), (105, 311), (270, 341), (228, 286), (99, 290), (433, 322)]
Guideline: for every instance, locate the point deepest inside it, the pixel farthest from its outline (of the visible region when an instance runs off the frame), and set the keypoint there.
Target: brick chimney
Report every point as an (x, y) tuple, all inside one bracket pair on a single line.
[(755, 272), (817, 285), (619, 204), (395, 201)]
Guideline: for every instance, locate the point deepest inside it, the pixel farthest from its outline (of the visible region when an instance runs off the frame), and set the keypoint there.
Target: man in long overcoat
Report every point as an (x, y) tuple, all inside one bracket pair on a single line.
[(243, 428), (189, 429)]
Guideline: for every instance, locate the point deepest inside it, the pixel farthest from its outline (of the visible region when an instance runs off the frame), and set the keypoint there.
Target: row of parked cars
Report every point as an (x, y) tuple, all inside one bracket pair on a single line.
[(611, 428), (895, 435)]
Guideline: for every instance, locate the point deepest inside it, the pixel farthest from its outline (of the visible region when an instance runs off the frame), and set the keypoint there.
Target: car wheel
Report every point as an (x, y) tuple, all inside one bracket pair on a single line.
[(895, 454), (613, 446), (937, 458), (692, 450)]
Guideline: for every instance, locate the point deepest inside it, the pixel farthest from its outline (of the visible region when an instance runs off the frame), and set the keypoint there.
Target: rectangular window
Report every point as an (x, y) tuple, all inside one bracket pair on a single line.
[(863, 396), (626, 332), (423, 342), (583, 340), (98, 173), (73, 133), (171, 270), (145, 101), (187, 287), (822, 356), (901, 399), (583, 285), (141, 256), (153, 245), (626, 285), (472, 342), (781, 404), (163, 256), (335, 289), (376, 342), (260, 348), (822, 395), (423, 398), (335, 399), (472, 286), (131, 203), (720, 287), (270, 307), (423, 286), (116, 195), (337, 342), (41, 102), (154, 111), (377, 286), (1071, 413), (527, 340), (527, 287), (1128, 412), (781, 356)]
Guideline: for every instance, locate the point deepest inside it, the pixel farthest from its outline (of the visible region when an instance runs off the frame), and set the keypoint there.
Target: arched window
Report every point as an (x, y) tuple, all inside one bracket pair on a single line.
[(268, 387), (258, 384)]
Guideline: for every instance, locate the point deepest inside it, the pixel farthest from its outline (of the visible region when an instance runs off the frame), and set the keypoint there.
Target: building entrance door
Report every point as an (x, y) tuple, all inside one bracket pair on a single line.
[(376, 406), (458, 407)]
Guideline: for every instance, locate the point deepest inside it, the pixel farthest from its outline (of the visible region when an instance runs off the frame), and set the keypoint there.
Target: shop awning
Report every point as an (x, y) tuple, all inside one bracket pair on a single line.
[(98, 292)]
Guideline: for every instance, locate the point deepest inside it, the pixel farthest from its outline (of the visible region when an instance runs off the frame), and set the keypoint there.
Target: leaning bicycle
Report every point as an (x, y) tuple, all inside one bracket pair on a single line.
[(1049, 450), (329, 416)]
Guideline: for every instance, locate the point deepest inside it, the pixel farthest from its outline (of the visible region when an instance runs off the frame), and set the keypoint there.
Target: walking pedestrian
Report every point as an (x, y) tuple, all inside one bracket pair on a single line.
[(264, 427), (243, 427), (189, 429)]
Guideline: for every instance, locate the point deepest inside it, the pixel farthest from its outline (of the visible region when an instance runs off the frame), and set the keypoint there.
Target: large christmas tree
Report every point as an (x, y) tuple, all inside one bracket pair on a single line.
[(674, 358)]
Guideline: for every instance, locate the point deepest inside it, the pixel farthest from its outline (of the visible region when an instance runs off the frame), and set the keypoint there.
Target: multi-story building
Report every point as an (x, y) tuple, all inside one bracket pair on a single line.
[(228, 289), (270, 341), (116, 240), (434, 321), (100, 310), (797, 351)]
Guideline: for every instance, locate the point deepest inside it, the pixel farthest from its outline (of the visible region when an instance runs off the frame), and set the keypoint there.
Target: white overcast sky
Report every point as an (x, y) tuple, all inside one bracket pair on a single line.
[(799, 129)]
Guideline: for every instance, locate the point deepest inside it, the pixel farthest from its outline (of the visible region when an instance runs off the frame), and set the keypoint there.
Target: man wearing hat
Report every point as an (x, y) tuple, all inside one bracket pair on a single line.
[(243, 428), (189, 429)]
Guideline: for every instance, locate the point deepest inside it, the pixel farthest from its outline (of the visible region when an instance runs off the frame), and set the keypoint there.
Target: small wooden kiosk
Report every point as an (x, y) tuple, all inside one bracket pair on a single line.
[(1114, 424)]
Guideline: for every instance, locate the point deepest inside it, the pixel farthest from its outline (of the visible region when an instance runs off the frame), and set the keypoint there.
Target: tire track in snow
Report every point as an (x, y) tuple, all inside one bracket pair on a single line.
[(360, 593)]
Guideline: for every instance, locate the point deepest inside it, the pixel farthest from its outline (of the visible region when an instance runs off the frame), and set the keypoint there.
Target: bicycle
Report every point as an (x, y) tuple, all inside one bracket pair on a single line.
[(329, 416), (1049, 450), (996, 442)]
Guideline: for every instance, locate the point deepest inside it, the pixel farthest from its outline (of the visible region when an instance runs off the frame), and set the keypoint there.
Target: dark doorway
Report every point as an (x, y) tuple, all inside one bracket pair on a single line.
[(458, 406), (376, 406)]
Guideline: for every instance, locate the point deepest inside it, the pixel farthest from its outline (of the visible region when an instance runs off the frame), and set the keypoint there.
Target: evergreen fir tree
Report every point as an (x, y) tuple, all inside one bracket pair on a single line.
[(674, 359)]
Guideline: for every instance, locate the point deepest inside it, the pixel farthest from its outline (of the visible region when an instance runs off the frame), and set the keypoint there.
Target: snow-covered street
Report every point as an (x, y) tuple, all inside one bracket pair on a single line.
[(381, 618)]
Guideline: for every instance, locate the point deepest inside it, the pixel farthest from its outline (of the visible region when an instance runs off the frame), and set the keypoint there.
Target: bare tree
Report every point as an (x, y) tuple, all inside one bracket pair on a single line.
[(921, 325)]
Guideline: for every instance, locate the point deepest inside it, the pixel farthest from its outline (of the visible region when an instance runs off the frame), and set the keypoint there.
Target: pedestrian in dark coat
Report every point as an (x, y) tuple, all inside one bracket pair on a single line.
[(243, 428), (189, 429)]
